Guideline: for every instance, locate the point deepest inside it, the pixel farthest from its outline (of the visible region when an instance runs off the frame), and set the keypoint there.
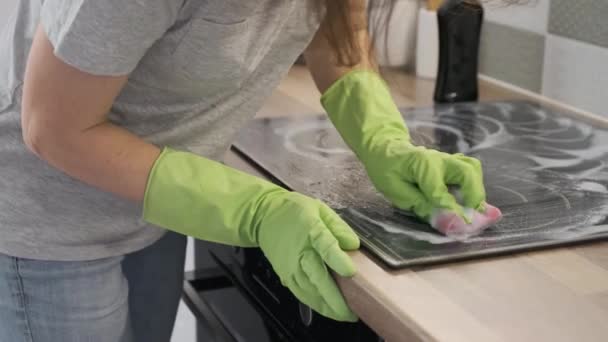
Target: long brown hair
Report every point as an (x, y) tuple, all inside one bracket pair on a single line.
[(344, 18)]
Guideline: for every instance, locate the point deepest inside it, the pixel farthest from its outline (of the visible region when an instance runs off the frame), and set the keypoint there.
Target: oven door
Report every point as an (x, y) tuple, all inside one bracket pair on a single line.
[(237, 297)]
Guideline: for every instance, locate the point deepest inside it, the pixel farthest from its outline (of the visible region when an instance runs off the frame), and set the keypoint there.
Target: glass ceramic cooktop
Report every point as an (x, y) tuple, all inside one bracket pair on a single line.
[(547, 173)]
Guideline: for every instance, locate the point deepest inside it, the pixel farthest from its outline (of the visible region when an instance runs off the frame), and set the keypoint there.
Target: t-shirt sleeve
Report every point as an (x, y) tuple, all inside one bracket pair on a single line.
[(106, 37)]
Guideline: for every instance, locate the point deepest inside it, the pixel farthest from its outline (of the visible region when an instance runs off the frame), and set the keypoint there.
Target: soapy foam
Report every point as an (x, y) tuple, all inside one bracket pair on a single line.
[(490, 133), (592, 187), (312, 152), (587, 226)]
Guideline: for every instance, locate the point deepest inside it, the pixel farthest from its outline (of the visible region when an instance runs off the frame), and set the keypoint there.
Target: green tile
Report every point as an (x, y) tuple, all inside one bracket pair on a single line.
[(512, 55)]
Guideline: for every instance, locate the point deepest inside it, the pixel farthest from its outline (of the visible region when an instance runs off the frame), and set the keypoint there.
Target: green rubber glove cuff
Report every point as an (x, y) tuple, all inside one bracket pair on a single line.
[(204, 199), (360, 105)]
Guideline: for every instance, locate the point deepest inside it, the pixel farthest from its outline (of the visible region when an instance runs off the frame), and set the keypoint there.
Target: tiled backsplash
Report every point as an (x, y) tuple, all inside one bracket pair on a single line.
[(584, 20), (512, 55), (558, 48), (530, 15)]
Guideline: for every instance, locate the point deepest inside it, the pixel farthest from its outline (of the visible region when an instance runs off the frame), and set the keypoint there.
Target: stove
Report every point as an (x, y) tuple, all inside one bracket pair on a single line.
[(546, 171)]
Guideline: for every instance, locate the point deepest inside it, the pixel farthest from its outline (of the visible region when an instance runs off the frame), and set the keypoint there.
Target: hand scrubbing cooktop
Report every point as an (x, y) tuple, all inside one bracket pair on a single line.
[(413, 178), (452, 225)]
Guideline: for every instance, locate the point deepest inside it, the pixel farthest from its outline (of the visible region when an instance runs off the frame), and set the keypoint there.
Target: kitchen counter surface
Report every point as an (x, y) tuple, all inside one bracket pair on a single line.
[(553, 295)]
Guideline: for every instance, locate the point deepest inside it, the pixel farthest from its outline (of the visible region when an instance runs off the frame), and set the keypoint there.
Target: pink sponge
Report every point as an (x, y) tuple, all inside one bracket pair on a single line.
[(452, 225)]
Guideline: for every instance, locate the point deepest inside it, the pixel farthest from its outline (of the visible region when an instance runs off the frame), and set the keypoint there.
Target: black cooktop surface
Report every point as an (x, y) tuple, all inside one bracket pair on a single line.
[(548, 174)]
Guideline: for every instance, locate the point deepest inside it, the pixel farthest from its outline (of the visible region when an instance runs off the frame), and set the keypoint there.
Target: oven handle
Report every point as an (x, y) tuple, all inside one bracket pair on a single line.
[(257, 304), (201, 280)]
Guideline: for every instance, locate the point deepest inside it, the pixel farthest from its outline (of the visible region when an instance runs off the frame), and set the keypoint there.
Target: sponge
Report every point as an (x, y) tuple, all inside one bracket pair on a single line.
[(452, 225)]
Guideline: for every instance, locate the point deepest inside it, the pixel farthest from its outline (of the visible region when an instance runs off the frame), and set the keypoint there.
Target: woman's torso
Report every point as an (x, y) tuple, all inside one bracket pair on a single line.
[(194, 87)]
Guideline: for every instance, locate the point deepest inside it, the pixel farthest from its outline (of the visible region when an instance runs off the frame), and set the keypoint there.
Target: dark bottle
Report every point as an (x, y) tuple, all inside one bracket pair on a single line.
[(459, 33)]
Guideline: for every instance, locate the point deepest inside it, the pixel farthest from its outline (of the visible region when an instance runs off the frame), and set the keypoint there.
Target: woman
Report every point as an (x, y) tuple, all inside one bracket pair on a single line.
[(92, 95)]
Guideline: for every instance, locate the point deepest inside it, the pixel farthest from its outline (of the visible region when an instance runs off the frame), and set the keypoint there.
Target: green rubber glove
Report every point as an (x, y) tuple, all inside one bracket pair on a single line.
[(299, 235), (413, 178)]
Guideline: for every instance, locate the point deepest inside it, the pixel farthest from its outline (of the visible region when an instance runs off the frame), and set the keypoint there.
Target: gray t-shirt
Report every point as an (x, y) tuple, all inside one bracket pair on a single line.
[(199, 70)]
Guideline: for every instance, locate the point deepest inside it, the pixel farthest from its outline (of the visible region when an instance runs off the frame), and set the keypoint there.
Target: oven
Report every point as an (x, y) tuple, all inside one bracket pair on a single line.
[(236, 296)]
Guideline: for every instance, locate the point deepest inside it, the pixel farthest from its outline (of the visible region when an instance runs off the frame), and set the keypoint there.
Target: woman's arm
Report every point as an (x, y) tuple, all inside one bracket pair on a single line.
[(321, 58), (361, 108), (64, 123)]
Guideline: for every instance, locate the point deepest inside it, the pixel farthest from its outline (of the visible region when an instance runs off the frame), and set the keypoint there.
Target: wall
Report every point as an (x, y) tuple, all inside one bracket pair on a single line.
[(558, 48), (6, 7)]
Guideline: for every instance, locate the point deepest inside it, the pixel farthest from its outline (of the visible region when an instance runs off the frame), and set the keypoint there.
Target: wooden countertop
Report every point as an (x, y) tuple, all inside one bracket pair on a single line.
[(553, 295)]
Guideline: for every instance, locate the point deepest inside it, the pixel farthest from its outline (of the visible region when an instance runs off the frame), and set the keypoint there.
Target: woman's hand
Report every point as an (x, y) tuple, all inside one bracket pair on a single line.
[(300, 236), (413, 178)]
